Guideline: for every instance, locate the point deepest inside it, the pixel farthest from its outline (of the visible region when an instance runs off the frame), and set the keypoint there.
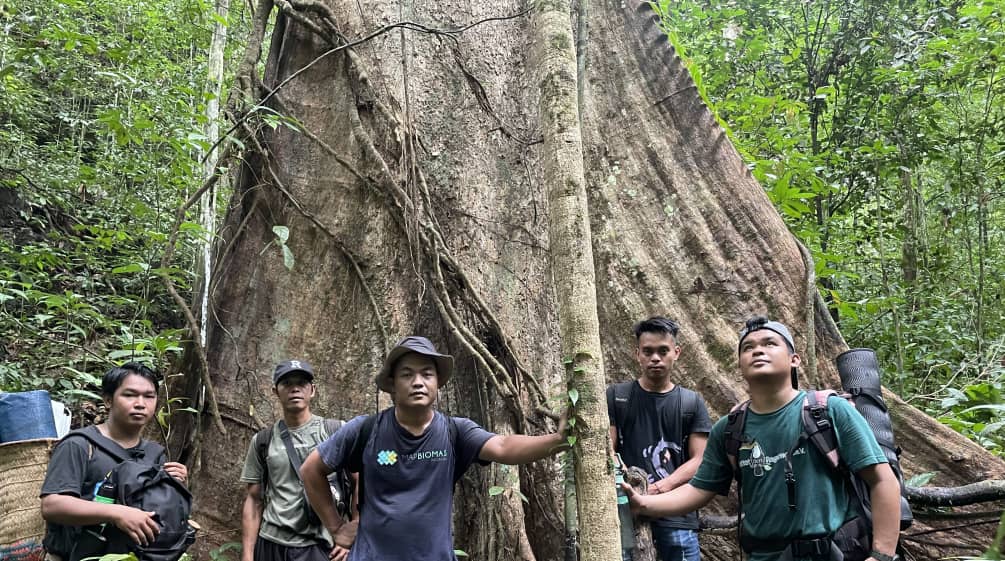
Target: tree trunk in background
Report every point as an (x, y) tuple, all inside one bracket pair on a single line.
[(208, 211), (574, 277), (414, 189)]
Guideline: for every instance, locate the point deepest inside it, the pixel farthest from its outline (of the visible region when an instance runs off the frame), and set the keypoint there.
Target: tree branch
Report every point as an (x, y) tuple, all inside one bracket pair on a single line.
[(980, 492)]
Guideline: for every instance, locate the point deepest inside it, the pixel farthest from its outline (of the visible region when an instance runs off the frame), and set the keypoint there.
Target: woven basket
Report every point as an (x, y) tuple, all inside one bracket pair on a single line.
[(22, 470)]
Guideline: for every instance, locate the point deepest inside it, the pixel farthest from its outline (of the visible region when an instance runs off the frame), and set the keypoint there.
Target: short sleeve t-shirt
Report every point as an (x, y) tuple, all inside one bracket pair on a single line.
[(409, 484), (284, 520), (77, 468), (654, 435), (823, 499)]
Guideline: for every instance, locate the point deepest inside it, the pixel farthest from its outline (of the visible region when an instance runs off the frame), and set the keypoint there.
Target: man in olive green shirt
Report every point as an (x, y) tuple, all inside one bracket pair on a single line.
[(274, 520)]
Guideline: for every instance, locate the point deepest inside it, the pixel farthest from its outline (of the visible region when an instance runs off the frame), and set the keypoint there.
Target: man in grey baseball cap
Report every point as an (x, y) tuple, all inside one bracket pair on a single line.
[(408, 458), (276, 522)]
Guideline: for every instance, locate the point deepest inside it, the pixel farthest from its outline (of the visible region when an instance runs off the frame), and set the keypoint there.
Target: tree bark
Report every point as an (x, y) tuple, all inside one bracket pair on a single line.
[(575, 281), (413, 186)]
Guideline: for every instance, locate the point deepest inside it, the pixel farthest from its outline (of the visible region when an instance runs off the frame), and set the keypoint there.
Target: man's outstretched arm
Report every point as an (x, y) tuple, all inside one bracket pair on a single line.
[(515, 449), (680, 501)]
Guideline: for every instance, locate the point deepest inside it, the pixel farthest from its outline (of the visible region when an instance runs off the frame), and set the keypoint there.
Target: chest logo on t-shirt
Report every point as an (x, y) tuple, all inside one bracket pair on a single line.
[(387, 457), (391, 457), (759, 462)]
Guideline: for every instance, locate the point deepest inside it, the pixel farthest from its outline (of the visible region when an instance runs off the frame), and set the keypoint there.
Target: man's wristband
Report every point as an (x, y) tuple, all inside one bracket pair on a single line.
[(883, 557)]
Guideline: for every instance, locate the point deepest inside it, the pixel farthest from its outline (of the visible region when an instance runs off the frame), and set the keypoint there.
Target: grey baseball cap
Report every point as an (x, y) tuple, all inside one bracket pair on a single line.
[(287, 367), (415, 344), (775, 326)]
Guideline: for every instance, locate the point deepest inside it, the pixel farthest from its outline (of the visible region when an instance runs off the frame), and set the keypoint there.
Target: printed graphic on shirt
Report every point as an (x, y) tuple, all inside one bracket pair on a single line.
[(391, 457), (758, 462), (660, 456)]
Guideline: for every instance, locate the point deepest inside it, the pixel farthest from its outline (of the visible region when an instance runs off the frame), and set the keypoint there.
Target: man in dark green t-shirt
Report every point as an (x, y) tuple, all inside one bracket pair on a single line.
[(823, 502)]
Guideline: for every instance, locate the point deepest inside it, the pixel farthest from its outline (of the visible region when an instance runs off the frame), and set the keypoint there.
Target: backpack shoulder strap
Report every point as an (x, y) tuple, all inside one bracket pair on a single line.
[(262, 440), (688, 408), (100, 442), (452, 433), (622, 397), (355, 463), (291, 453), (818, 427), (735, 423)]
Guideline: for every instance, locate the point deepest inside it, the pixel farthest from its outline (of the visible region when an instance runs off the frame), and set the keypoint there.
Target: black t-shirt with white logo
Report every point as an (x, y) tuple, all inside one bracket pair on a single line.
[(654, 433)]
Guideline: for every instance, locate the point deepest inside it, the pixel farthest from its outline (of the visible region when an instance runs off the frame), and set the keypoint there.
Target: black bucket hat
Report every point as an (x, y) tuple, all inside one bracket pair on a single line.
[(415, 344)]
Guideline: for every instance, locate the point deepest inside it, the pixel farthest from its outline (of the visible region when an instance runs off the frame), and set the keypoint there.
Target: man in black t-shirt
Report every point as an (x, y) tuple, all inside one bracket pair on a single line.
[(77, 467), (661, 428), (411, 456)]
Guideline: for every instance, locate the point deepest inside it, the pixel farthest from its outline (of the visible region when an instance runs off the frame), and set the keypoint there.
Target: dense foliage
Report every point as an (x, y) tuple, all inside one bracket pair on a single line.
[(102, 113), (876, 129)]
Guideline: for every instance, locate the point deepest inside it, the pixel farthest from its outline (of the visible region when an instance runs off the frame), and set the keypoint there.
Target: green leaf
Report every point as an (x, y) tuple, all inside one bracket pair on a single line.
[(574, 395), (571, 440), (921, 479), (132, 268), (460, 553), (496, 490), (288, 259), (281, 232)]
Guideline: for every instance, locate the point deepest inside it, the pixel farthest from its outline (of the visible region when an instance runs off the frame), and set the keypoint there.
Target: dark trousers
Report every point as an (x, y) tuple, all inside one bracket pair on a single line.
[(266, 550)]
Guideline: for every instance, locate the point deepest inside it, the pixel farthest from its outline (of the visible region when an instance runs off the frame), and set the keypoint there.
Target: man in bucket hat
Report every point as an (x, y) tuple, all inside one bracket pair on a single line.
[(408, 457)]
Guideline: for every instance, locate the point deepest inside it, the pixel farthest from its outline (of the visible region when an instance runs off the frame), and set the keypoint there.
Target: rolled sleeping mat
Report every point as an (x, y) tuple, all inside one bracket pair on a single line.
[(859, 372), (860, 377)]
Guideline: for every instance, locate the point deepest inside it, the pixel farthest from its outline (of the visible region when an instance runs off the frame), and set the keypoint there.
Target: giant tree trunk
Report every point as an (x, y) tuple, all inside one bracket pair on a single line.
[(413, 189)]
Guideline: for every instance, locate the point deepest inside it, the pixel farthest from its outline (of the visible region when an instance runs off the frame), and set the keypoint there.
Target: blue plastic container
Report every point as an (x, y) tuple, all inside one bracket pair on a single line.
[(26, 416)]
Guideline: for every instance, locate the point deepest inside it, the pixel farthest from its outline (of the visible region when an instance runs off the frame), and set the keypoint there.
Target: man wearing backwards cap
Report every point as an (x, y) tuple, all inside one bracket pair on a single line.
[(274, 519), (772, 530), (410, 460)]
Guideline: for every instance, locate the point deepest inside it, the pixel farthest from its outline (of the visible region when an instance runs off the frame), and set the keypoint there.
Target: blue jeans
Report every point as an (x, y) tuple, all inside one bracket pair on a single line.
[(676, 545), (672, 545)]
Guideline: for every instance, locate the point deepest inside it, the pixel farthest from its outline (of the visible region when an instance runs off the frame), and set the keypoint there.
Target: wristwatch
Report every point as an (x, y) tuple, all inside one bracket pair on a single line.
[(883, 557)]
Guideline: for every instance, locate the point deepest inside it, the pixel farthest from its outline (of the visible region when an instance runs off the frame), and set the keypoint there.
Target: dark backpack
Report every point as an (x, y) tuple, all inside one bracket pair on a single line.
[(145, 486), (355, 463), (340, 482), (860, 378)]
